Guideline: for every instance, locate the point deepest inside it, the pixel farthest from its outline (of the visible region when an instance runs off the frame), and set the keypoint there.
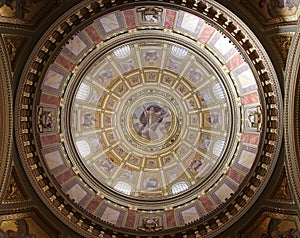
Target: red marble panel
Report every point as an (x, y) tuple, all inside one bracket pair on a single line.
[(170, 218), (206, 34), (250, 138), (129, 18), (206, 203), (93, 34), (94, 204), (130, 219), (49, 99), (234, 62), (65, 176), (170, 17), (250, 98), (51, 139), (64, 62), (235, 176)]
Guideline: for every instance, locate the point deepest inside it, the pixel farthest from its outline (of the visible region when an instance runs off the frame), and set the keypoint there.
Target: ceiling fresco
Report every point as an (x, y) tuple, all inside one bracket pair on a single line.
[(150, 118)]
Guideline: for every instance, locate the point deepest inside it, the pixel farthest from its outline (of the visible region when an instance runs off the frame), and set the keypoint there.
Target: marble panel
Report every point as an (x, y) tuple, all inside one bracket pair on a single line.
[(93, 34), (246, 159), (190, 215), (64, 62), (65, 176), (245, 79), (234, 62), (170, 18), (222, 45), (110, 215), (190, 22), (76, 192), (206, 203), (206, 33), (129, 18), (170, 219), (53, 79), (53, 159), (130, 220), (49, 140), (250, 138), (250, 98), (110, 22), (49, 99), (94, 204), (76, 46), (234, 175), (223, 192)]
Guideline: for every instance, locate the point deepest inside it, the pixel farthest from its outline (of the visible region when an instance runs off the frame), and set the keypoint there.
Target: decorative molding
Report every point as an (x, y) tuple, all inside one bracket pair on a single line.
[(6, 117), (292, 116)]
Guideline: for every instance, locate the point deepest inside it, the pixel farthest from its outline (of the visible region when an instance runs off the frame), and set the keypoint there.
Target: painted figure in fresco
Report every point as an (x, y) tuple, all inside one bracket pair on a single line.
[(274, 6), (205, 142), (151, 183), (150, 56), (153, 124), (205, 98), (106, 76), (213, 119), (96, 142), (19, 7), (195, 76), (127, 174), (22, 231), (88, 120), (195, 165), (274, 230), (106, 164)]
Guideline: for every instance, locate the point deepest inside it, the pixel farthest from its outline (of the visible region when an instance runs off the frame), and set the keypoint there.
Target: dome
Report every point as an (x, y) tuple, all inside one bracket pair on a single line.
[(149, 117)]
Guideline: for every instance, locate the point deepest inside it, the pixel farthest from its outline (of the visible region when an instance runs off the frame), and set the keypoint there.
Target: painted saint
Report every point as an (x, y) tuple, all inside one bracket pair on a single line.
[(153, 121)]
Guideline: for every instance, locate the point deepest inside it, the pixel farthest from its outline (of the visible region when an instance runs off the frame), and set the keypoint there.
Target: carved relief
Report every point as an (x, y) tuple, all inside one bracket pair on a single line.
[(282, 44), (253, 118), (24, 225), (150, 16), (270, 225), (275, 11), (47, 119), (14, 193), (150, 223), (24, 9), (13, 46), (282, 190)]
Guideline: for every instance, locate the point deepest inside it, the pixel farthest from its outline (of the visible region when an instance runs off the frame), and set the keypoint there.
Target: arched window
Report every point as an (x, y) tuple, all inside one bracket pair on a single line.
[(123, 187), (83, 148), (83, 91), (218, 91), (218, 147), (178, 51), (179, 187), (122, 52)]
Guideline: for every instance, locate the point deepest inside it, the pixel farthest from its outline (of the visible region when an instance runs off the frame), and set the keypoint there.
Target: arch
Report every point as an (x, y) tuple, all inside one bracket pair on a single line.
[(6, 118)]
